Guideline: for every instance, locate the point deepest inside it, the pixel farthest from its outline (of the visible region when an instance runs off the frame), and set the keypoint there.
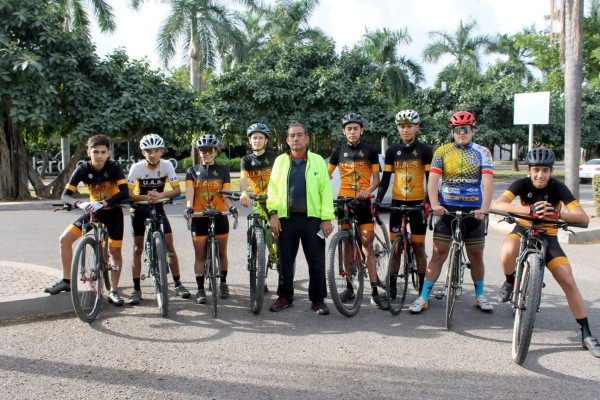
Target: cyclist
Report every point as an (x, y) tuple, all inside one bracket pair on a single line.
[(463, 167), (541, 195), (358, 164), (203, 182), (147, 180), (409, 161), (105, 181)]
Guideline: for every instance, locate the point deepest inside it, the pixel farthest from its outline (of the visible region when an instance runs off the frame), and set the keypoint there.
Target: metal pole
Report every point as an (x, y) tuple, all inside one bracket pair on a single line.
[(530, 137)]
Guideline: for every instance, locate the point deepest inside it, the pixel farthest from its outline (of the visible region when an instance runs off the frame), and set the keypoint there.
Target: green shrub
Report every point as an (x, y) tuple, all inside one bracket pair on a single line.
[(232, 165), (596, 186)]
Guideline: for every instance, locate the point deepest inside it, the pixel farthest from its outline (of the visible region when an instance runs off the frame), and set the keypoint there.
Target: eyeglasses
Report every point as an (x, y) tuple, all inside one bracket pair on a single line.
[(207, 150), (465, 130)]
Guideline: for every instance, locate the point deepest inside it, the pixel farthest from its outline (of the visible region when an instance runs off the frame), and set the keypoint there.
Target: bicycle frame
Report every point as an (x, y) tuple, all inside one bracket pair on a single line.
[(259, 218), (530, 243)]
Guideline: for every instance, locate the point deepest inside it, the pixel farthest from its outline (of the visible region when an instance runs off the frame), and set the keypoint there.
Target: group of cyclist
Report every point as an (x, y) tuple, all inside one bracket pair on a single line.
[(457, 176)]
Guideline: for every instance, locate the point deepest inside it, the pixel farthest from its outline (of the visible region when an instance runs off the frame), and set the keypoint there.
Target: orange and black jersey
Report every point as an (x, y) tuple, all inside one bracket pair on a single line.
[(207, 181), (356, 165), (258, 170), (410, 165), (555, 193), (108, 184)]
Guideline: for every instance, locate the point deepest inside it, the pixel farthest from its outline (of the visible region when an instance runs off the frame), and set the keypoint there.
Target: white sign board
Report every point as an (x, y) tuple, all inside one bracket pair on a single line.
[(532, 108)]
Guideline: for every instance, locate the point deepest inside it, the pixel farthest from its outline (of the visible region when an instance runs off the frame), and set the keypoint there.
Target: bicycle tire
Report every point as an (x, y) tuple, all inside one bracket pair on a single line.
[(412, 269), (214, 271), (160, 273), (452, 282), (340, 279), (396, 281), (105, 255), (528, 302), (381, 247), (257, 269), (86, 280)]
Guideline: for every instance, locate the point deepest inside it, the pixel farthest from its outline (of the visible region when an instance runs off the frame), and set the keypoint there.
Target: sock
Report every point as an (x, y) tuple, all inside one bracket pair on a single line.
[(427, 286), (136, 284), (478, 288), (223, 276), (176, 280), (200, 281), (585, 327), (421, 280), (510, 278), (374, 291)]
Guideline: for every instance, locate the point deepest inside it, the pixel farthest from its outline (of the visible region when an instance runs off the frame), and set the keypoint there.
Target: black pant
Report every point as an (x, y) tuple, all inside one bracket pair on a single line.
[(294, 229)]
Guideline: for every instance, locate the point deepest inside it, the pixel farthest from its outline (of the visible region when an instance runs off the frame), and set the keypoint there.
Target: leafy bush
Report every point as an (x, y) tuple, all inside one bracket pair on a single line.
[(596, 186), (231, 164)]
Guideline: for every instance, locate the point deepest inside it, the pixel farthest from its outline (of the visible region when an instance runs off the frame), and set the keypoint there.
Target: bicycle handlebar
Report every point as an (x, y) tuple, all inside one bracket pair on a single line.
[(213, 213), (511, 218), (161, 201), (236, 195), (459, 214)]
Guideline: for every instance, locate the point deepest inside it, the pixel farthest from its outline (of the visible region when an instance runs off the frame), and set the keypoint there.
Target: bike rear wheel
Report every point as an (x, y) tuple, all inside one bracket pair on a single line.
[(214, 270), (86, 280), (345, 272), (257, 269), (396, 282), (381, 247), (452, 283), (160, 273), (527, 303)]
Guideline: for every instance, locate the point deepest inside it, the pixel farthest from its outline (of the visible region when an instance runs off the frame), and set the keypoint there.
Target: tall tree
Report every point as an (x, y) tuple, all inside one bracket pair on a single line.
[(519, 58), (398, 74), (289, 20), (76, 16), (462, 45)]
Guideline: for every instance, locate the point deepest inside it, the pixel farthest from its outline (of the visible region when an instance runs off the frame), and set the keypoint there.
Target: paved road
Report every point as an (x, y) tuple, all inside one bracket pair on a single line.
[(132, 352)]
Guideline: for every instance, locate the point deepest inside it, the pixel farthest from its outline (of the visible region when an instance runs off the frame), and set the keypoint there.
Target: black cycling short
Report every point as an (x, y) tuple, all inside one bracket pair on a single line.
[(554, 253), (418, 227), (473, 230), (362, 210), (200, 226), (139, 213), (112, 218)]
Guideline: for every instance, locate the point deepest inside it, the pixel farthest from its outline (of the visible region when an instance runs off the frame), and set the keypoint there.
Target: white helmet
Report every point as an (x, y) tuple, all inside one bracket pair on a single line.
[(152, 141)]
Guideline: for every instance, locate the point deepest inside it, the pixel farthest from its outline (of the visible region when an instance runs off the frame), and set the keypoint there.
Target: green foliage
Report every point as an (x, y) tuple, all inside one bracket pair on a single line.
[(596, 186), (232, 164)]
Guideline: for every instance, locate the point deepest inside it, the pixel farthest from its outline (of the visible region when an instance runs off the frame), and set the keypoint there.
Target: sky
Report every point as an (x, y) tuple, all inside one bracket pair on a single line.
[(345, 21)]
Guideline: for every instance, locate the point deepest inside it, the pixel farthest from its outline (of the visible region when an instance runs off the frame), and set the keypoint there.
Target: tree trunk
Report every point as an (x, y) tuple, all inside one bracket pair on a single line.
[(13, 160), (573, 28), (55, 188)]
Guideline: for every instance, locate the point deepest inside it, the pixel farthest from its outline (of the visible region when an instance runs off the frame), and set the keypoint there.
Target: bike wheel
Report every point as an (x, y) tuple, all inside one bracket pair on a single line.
[(160, 273), (86, 280), (396, 281), (381, 245), (257, 269), (527, 303), (452, 283), (344, 271), (105, 273), (214, 269), (412, 269)]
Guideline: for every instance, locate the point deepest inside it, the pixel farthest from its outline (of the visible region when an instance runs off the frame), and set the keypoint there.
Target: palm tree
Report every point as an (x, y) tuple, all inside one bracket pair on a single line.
[(76, 16), (518, 57), (461, 45), (253, 37), (289, 20), (203, 26), (396, 71)]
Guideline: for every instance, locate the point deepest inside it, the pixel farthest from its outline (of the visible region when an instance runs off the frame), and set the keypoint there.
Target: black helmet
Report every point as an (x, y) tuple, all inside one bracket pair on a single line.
[(352, 118), (259, 127), (208, 140), (540, 156)]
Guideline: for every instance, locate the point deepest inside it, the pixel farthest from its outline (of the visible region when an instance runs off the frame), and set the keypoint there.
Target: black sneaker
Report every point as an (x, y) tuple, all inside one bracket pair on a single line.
[(281, 303), (320, 307), (591, 343), (380, 301), (182, 292), (347, 295), (201, 296), (136, 297), (114, 298), (223, 290), (505, 292), (60, 286)]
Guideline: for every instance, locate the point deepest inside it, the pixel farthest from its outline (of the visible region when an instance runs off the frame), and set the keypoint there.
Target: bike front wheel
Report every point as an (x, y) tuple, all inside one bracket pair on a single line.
[(213, 271), (86, 280), (257, 268), (381, 247), (345, 274), (396, 282), (527, 303), (160, 273), (452, 283)]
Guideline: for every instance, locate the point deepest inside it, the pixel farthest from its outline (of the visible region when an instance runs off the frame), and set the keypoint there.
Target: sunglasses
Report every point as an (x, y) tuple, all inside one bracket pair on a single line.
[(465, 130)]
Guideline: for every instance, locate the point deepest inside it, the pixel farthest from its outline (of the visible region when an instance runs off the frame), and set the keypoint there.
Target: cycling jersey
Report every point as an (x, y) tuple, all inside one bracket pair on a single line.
[(461, 169), (555, 192), (410, 165), (356, 165), (207, 181), (258, 170), (144, 177), (108, 184)]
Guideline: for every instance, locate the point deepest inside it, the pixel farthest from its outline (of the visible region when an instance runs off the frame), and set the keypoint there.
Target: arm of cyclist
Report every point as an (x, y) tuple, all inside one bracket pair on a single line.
[(432, 191), (189, 200), (488, 191), (366, 193), (244, 199)]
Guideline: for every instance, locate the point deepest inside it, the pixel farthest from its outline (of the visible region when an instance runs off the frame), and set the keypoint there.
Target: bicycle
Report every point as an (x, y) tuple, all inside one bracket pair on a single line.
[(212, 265), (529, 277), (344, 273), (156, 257), (259, 238), (402, 262), (89, 267), (457, 260)]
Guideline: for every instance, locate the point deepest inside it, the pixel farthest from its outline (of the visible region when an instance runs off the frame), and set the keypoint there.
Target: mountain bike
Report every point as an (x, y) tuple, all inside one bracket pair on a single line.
[(259, 239), (156, 256), (529, 277), (402, 263), (457, 260), (212, 265), (89, 267)]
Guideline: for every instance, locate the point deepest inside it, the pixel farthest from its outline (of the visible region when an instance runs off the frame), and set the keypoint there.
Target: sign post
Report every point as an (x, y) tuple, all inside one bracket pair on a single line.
[(530, 109)]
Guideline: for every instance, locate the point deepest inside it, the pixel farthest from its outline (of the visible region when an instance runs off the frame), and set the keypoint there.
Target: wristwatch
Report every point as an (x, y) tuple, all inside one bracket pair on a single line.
[(273, 212)]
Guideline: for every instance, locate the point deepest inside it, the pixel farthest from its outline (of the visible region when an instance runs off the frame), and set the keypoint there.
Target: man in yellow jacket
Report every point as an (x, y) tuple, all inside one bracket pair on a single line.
[(300, 204)]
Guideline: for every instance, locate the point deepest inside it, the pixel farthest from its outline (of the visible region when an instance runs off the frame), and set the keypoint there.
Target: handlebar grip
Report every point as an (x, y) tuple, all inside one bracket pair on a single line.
[(430, 222)]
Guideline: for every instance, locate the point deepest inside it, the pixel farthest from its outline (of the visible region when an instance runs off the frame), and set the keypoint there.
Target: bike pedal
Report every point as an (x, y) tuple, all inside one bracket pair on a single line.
[(439, 294)]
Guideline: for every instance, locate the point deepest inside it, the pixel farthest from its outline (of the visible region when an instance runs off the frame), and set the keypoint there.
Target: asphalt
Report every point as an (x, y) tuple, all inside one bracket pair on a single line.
[(26, 281)]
